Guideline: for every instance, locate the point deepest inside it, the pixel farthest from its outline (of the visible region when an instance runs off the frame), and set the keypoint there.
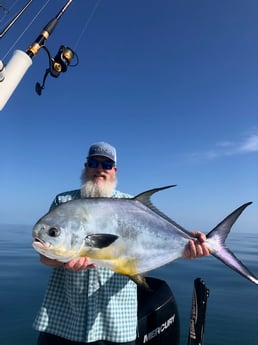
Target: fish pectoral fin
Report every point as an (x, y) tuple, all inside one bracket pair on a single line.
[(100, 240)]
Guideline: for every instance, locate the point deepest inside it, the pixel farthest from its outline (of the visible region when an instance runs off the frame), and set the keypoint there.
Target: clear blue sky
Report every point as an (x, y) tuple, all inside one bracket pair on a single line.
[(172, 84)]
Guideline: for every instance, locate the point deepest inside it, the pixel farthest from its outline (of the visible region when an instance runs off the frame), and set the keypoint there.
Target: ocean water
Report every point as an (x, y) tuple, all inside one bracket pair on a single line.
[(232, 309)]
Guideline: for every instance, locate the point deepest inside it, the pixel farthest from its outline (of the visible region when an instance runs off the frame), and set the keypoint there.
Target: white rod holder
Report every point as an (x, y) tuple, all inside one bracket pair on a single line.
[(12, 74)]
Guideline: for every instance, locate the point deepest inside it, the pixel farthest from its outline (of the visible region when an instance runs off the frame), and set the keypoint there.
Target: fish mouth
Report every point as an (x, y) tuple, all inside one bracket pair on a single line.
[(40, 243)]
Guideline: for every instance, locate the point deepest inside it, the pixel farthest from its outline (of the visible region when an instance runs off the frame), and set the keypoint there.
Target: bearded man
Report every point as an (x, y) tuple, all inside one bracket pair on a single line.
[(85, 303)]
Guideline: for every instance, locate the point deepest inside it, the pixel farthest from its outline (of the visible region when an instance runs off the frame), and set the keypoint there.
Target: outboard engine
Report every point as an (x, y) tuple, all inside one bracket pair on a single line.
[(158, 318)]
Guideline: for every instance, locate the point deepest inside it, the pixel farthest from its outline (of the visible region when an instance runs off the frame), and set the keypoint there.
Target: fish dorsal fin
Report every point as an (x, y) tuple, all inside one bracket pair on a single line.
[(144, 198)]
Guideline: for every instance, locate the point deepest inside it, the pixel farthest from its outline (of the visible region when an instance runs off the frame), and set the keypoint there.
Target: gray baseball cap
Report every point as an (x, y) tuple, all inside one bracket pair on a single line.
[(104, 149)]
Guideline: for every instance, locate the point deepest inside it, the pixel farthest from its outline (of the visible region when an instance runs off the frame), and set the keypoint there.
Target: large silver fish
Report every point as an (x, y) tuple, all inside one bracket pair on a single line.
[(130, 236)]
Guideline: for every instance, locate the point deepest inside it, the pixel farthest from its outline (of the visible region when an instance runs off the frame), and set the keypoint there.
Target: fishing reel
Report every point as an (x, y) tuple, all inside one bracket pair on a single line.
[(57, 65)]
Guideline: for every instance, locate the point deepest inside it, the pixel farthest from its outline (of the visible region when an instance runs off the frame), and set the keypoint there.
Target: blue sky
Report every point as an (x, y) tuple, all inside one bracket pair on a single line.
[(172, 84)]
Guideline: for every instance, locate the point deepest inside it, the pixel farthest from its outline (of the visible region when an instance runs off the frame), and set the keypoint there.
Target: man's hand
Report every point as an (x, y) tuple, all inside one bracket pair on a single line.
[(196, 247), (79, 265)]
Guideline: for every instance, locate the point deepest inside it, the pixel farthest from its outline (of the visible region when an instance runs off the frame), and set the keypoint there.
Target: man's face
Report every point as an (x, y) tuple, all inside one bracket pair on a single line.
[(98, 178), (98, 174)]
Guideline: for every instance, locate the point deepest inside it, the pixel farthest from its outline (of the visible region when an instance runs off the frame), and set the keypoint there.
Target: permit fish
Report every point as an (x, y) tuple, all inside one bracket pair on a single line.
[(129, 235)]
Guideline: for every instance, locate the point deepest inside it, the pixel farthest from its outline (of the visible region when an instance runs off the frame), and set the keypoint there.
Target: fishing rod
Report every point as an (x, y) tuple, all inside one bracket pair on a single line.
[(64, 56), (46, 32), (13, 21), (14, 71)]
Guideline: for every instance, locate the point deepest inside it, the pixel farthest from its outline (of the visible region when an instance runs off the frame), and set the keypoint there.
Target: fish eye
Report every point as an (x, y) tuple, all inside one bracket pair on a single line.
[(53, 232)]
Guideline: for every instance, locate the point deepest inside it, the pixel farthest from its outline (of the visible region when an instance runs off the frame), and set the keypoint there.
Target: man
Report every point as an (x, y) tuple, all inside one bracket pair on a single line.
[(85, 303)]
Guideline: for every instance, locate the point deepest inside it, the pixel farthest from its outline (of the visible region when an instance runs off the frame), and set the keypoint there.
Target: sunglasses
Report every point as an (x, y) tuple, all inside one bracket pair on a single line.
[(105, 165)]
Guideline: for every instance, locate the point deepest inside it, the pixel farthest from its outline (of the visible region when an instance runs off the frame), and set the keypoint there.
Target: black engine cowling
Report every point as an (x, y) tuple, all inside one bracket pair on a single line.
[(158, 319)]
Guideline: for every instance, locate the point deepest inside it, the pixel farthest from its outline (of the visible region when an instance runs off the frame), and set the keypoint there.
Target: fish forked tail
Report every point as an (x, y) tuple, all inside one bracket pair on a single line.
[(216, 244)]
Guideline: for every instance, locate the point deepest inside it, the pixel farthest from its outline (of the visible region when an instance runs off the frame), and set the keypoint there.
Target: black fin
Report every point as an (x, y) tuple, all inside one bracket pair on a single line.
[(100, 240), (145, 196)]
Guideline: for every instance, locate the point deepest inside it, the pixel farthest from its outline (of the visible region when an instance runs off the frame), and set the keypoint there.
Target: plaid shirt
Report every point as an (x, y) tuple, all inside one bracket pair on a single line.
[(95, 304)]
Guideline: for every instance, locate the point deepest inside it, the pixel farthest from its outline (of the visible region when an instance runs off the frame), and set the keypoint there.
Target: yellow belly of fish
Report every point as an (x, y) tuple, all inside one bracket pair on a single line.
[(127, 266), (62, 252), (118, 262)]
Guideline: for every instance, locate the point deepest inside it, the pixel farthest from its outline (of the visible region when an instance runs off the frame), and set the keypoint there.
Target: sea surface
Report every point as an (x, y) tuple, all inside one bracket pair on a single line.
[(232, 309)]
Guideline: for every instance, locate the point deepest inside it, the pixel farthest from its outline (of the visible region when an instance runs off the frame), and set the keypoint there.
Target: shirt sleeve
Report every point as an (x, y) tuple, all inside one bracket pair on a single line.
[(54, 204)]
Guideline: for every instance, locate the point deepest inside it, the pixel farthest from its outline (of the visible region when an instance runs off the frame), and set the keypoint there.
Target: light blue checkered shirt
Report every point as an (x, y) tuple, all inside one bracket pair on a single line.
[(95, 304)]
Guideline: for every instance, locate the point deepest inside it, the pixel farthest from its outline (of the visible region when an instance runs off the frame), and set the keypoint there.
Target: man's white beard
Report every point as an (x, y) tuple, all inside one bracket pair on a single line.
[(91, 189)]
